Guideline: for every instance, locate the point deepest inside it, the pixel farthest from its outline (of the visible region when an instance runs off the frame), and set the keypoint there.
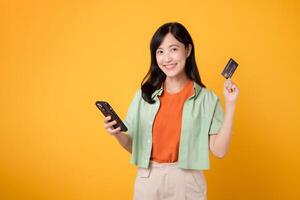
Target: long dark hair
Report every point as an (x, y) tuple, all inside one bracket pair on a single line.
[(155, 77)]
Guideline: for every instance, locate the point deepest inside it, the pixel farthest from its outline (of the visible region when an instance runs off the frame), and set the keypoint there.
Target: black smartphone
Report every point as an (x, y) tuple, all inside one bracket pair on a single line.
[(230, 68), (107, 110)]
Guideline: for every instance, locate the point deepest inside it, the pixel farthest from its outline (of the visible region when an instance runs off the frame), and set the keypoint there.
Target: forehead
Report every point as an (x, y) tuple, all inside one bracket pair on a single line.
[(169, 40)]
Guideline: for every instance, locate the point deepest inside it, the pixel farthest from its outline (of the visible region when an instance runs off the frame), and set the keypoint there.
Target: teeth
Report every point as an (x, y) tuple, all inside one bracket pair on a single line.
[(170, 66)]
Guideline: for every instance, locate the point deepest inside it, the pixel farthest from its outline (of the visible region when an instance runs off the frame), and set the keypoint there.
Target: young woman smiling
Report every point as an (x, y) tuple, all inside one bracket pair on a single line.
[(174, 121)]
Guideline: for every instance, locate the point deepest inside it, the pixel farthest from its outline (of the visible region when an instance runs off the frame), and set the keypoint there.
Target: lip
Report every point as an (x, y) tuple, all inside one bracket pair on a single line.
[(170, 66)]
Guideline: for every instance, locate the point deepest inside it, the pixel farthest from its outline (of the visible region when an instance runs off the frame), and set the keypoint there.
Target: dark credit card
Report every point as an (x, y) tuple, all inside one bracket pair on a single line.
[(229, 68)]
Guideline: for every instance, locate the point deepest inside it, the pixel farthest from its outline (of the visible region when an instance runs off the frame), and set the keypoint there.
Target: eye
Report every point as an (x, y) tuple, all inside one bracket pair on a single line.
[(174, 49), (159, 52)]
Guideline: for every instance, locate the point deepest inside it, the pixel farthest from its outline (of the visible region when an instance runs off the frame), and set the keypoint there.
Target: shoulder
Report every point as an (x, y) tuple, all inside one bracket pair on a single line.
[(137, 95), (138, 92), (209, 96)]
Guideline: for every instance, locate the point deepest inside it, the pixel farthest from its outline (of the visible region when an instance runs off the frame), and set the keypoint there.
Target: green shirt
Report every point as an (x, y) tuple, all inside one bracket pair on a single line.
[(202, 115)]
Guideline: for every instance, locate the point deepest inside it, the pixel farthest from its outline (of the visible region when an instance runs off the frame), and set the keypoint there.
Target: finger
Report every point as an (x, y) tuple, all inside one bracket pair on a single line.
[(228, 89), (235, 88), (233, 85), (110, 124), (114, 131), (228, 86), (110, 131), (229, 80), (227, 83), (106, 119)]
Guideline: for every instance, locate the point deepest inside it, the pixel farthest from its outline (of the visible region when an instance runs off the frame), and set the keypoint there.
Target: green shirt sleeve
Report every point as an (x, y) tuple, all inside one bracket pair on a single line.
[(132, 114), (217, 117)]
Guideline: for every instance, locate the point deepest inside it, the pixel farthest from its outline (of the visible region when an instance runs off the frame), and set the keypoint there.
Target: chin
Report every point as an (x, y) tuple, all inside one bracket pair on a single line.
[(169, 75)]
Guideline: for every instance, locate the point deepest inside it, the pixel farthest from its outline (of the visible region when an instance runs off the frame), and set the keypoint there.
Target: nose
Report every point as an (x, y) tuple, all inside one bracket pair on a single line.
[(167, 58)]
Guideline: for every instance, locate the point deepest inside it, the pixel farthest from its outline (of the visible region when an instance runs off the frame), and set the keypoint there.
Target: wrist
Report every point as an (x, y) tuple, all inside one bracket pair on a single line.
[(118, 134), (230, 105)]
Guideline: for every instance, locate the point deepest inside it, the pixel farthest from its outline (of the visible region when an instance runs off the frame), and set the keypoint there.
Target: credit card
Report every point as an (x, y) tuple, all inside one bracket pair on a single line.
[(229, 68)]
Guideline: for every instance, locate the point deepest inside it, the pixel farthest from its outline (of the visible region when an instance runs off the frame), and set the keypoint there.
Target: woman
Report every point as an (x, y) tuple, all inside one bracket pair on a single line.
[(173, 121)]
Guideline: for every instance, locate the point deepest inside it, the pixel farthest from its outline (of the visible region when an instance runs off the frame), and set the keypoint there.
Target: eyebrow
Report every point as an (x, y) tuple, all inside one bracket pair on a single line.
[(170, 46)]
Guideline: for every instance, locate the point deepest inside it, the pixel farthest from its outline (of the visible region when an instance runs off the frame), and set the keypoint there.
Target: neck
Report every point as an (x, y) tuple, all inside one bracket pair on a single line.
[(175, 84)]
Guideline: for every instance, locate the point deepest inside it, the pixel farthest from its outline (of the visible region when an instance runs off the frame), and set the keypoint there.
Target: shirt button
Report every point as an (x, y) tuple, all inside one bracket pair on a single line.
[(148, 141)]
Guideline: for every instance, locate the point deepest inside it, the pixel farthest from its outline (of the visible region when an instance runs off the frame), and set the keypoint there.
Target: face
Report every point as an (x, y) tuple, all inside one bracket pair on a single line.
[(171, 56)]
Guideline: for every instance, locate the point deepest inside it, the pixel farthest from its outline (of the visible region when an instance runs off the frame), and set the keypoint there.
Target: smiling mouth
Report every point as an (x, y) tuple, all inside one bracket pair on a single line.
[(170, 66)]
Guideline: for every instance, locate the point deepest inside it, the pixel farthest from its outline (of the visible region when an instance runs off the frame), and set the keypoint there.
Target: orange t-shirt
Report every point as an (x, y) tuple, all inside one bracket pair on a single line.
[(167, 124)]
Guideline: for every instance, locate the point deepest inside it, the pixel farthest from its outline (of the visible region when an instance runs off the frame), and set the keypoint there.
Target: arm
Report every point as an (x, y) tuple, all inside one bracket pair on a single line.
[(219, 143), (124, 140)]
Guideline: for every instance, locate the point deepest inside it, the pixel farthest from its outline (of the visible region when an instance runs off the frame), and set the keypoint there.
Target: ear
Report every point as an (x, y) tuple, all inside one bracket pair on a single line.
[(189, 50)]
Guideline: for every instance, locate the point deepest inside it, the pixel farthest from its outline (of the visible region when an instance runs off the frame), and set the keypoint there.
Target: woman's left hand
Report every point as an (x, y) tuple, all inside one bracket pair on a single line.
[(231, 92)]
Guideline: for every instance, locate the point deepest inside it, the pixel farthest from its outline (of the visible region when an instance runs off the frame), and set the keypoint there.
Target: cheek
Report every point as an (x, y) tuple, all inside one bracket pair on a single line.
[(180, 56), (158, 60)]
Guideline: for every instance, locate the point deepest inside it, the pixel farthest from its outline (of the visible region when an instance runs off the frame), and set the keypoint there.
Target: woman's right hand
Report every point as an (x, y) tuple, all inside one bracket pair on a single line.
[(109, 126)]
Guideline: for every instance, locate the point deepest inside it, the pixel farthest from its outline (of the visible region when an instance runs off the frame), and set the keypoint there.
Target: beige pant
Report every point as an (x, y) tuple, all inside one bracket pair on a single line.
[(166, 181)]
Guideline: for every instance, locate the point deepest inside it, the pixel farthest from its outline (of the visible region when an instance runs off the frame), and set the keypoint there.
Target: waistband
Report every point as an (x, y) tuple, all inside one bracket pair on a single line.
[(162, 165)]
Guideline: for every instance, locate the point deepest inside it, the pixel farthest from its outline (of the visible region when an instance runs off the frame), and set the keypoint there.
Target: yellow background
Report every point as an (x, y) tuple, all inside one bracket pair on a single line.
[(58, 57)]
